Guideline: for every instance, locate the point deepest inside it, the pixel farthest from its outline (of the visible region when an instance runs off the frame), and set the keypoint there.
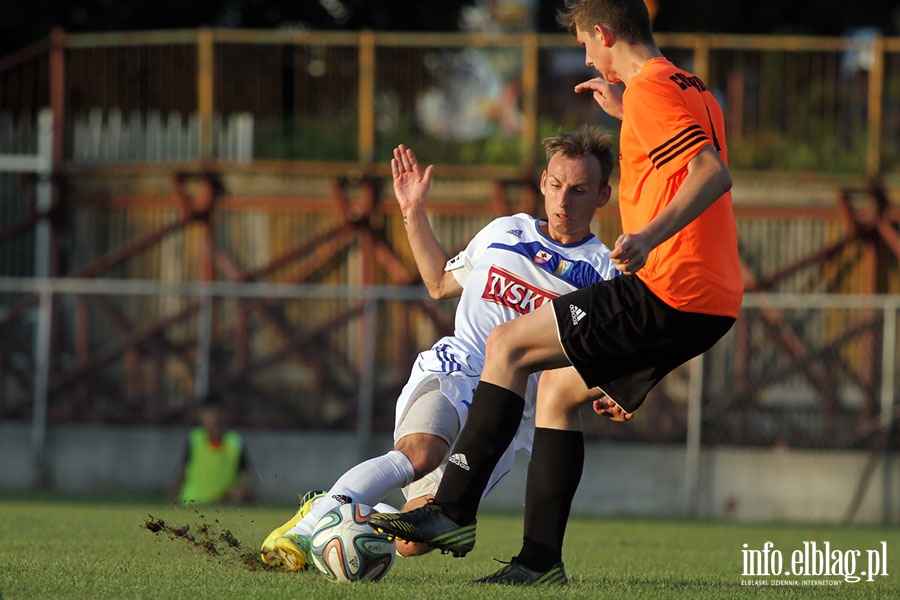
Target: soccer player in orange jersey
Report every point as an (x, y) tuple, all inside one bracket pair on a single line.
[(680, 293)]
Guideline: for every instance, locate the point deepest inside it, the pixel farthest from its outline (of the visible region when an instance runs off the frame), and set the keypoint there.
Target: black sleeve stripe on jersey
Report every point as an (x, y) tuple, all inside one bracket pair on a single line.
[(689, 137), (695, 139), (675, 139)]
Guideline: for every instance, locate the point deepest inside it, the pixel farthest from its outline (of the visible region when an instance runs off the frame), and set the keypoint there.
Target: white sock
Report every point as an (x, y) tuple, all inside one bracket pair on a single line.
[(366, 483), (384, 507)]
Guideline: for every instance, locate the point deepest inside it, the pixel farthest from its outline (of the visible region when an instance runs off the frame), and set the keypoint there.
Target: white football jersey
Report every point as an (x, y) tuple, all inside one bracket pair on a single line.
[(508, 269), (511, 267)]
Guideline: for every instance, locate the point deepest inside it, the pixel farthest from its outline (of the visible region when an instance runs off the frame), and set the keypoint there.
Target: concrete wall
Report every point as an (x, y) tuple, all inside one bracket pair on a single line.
[(627, 479)]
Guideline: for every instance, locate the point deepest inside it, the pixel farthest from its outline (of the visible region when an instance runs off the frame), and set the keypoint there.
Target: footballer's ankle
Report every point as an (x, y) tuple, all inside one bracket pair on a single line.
[(537, 556), (459, 515)]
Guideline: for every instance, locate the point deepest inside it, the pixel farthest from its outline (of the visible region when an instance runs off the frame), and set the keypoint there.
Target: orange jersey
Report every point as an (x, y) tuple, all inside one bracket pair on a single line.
[(669, 117)]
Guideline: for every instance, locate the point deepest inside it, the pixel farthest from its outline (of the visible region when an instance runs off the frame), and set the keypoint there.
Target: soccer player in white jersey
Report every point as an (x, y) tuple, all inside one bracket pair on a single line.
[(511, 267)]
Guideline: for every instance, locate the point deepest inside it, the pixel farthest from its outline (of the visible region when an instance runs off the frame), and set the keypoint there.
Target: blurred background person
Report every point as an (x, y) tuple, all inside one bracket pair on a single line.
[(215, 466)]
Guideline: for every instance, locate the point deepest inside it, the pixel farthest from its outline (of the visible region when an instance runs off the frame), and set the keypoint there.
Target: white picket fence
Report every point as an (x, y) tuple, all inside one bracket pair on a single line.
[(104, 136), (25, 147), (19, 136), (111, 136)]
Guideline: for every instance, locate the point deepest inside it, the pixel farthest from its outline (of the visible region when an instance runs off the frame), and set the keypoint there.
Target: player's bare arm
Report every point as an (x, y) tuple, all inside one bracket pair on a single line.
[(707, 180), (411, 187), (607, 95)]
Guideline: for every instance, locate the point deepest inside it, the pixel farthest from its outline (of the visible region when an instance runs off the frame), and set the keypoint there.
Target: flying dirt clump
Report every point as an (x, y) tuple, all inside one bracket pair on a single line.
[(208, 536)]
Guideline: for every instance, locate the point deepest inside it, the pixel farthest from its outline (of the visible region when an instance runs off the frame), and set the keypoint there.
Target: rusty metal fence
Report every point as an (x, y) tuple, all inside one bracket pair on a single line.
[(798, 370), (202, 211), (792, 103)]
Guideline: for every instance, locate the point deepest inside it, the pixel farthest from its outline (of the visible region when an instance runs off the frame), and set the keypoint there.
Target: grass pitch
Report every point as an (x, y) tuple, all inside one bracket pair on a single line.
[(80, 549)]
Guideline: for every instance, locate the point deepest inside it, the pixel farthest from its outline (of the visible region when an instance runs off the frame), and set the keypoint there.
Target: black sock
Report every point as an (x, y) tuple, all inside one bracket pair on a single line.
[(490, 427), (557, 460)]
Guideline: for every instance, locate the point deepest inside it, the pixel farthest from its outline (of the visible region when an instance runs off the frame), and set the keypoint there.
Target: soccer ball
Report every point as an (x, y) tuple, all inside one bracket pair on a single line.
[(344, 546)]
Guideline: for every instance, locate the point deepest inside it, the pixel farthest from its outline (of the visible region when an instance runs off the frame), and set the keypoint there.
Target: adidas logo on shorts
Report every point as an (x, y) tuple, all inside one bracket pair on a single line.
[(577, 314), (460, 461)]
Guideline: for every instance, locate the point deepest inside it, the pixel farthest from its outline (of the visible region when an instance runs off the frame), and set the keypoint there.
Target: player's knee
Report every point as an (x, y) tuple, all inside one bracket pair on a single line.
[(424, 451), (550, 385), (503, 345), (560, 392), (563, 389)]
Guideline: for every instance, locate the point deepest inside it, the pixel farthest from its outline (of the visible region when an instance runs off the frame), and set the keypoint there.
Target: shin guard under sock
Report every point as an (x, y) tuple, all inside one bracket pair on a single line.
[(557, 460), (490, 427)]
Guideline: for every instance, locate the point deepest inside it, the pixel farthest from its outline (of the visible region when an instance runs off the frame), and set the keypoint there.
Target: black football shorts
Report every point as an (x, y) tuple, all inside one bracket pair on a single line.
[(623, 339)]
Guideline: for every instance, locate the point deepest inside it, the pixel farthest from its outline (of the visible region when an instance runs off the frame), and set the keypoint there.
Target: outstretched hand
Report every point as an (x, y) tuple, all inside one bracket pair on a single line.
[(607, 95), (607, 407), (411, 184)]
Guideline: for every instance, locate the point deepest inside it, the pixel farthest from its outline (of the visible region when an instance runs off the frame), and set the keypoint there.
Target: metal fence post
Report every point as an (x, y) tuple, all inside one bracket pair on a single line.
[(44, 328), (875, 108), (204, 344), (366, 99), (701, 57), (366, 396), (530, 67), (42, 271), (693, 444), (44, 195), (888, 379), (206, 89)]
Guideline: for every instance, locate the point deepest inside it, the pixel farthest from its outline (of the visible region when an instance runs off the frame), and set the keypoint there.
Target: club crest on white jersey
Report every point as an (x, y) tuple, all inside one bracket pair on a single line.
[(510, 268)]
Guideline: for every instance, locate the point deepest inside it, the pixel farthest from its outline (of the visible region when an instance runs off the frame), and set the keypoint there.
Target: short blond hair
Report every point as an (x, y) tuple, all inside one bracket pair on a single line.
[(587, 140)]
